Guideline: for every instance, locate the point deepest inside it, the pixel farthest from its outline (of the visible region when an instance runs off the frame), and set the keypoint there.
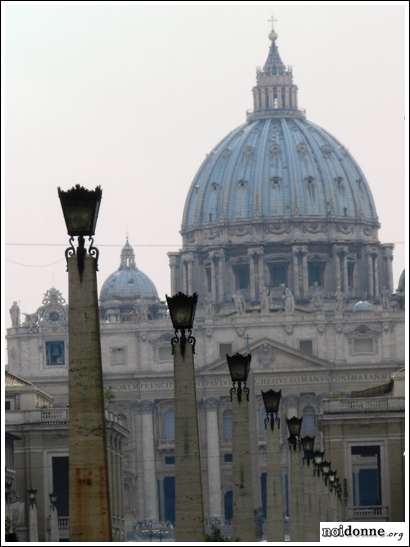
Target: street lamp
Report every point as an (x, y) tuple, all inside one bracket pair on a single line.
[(325, 467), (80, 208), (308, 444), (182, 311), (332, 479), (53, 499), (189, 519), (32, 492), (318, 457), (90, 520), (294, 427), (271, 400), (239, 366)]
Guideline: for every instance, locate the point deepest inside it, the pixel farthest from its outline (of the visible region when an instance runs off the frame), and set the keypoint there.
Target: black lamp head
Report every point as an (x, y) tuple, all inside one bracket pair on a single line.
[(182, 310), (80, 208), (239, 366)]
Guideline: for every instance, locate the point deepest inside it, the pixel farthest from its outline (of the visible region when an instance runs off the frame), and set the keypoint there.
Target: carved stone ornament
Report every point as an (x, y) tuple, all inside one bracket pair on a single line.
[(363, 330), (240, 331), (289, 329), (239, 230), (321, 327), (277, 228), (312, 228), (344, 228), (265, 355)]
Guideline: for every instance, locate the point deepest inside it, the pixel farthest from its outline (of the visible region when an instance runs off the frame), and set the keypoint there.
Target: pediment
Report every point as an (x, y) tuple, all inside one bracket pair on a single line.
[(269, 355)]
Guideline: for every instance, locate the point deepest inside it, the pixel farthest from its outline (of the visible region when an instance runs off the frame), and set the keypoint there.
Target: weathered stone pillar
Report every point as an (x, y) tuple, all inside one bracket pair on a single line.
[(220, 276), (311, 530), (213, 278), (33, 522), (388, 266), (296, 285), (370, 276), (243, 522), (189, 525), (279, 92), (173, 269), (88, 474), (296, 495), (214, 468), (287, 97), (274, 494), (252, 275), (376, 275), (305, 276), (148, 451), (261, 272), (271, 98), (338, 269)]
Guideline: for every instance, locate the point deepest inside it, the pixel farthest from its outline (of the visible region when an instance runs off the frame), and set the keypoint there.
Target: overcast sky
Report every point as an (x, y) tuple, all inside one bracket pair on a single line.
[(133, 97)]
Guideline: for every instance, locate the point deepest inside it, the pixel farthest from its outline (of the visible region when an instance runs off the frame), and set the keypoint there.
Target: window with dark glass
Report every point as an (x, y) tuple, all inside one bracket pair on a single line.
[(169, 426), (228, 457), (228, 505), (60, 484), (350, 274), (208, 278), (366, 479), (263, 493), (306, 346), (315, 273), (241, 276), (55, 353), (227, 426), (169, 460), (225, 349), (278, 274)]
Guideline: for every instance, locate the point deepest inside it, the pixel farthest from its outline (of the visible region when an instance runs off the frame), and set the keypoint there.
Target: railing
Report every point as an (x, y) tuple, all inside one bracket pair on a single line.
[(358, 404), (63, 523), (54, 415), (371, 512)]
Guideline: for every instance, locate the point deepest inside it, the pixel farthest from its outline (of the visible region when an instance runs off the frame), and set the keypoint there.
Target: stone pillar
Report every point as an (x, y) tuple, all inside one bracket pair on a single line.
[(279, 94), (189, 525), (243, 521), (213, 279), (148, 451), (252, 275), (296, 495), (261, 272), (220, 276), (121, 483), (214, 468), (33, 522), (287, 97), (370, 276), (296, 285), (310, 505), (305, 276), (274, 494), (388, 266), (173, 269), (88, 474), (376, 275)]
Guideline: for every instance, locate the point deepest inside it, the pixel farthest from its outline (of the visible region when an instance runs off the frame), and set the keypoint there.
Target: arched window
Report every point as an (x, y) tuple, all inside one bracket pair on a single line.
[(169, 426), (227, 426), (309, 422)]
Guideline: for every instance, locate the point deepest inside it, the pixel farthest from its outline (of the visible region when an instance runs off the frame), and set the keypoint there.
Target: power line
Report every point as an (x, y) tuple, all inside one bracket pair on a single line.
[(121, 244)]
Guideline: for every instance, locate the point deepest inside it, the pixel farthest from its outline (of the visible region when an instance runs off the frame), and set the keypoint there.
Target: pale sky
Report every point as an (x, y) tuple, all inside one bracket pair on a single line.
[(133, 97)]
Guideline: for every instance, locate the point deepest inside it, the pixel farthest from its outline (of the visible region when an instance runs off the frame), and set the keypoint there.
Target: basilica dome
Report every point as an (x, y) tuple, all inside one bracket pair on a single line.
[(278, 166), (128, 283)]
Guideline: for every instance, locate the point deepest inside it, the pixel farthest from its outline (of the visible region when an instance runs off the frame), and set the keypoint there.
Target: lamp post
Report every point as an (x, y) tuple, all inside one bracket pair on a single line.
[(310, 498), (189, 514), (32, 515), (243, 521), (90, 518), (274, 517), (296, 479)]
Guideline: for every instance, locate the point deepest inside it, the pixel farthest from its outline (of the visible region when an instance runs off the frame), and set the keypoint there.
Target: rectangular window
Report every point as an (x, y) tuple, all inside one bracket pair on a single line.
[(117, 356), (366, 478), (306, 346), (278, 274), (241, 276), (208, 279), (315, 273), (350, 275), (169, 460), (55, 353), (228, 457), (363, 345), (8, 405), (225, 349), (165, 353)]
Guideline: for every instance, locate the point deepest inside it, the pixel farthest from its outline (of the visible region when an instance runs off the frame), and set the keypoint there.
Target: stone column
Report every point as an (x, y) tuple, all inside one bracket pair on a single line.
[(213, 453), (305, 276), (243, 521), (287, 97), (310, 505), (296, 495), (338, 269), (213, 278), (252, 275), (189, 525), (370, 276), (190, 263), (148, 452), (261, 272), (279, 94), (90, 518), (173, 269), (33, 522), (388, 266), (274, 494), (376, 275), (220, 276), (296, 285)]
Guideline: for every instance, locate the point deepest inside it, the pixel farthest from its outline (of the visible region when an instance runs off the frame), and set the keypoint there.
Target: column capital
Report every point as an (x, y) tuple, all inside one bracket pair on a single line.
[(173, 258), (300, 249), (256, 251), (146, 406), (211, 404)]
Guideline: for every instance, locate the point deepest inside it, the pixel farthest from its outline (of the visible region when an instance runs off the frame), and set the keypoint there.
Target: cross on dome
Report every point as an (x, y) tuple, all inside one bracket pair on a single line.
[(127, 256)]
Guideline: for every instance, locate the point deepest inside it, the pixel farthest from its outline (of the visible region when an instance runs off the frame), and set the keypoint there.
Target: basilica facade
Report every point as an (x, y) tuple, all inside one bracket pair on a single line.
[(280, 241)]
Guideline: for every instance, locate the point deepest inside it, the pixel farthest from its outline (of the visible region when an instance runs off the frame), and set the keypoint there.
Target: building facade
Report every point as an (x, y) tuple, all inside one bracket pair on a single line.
[(280, 241)]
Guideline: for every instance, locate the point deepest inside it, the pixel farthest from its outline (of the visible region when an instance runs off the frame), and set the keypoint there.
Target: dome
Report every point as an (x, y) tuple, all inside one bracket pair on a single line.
[(128, 282), (278, 165), (363, 305), (402, 283)]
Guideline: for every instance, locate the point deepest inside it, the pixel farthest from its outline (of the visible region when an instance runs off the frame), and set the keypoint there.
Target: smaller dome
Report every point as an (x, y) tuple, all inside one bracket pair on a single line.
[(363, 305), (402, 283), (128, 283)]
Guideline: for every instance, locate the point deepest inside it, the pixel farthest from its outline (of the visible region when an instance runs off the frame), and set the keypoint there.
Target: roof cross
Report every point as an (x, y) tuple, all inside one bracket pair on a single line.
[(272, 20)]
